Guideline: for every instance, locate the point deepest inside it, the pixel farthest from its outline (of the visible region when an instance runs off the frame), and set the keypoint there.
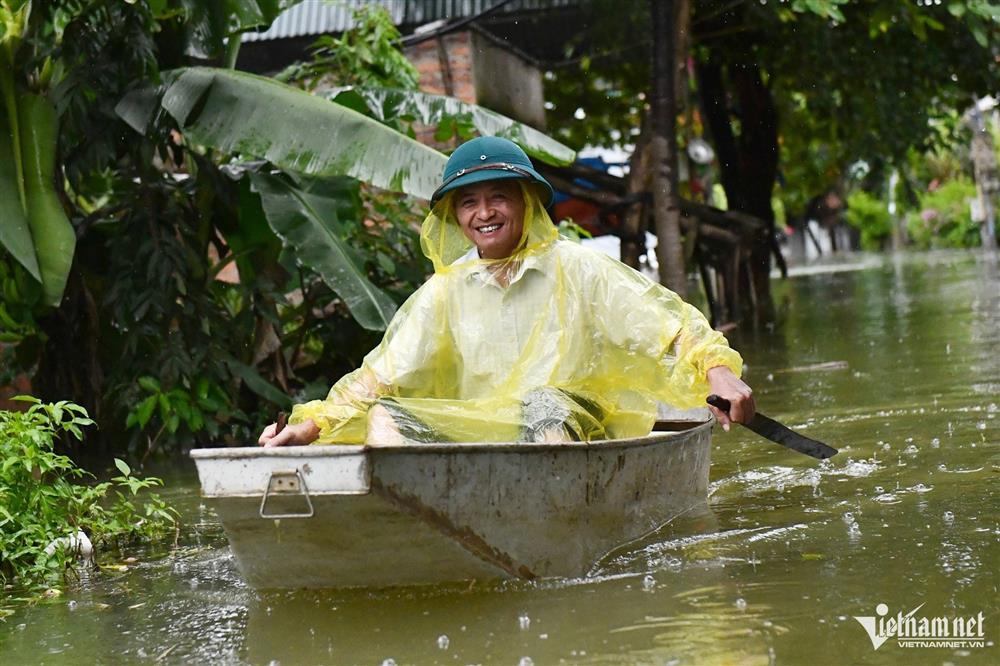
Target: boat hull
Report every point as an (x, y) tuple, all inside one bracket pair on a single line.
[(381, 517)]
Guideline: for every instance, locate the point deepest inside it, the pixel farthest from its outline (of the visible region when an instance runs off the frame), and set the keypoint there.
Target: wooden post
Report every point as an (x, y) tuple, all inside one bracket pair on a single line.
[(634, 221), (984, 162), (663, 144)]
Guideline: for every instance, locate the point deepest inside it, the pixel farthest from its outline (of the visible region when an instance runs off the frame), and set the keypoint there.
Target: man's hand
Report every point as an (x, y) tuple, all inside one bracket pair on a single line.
[(300, 433), (727, 385)]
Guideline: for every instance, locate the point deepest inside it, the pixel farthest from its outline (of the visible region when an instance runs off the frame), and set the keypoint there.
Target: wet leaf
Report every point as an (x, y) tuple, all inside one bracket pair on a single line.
[(122, 467), (15, 236), (258, 384), (305, 221), (240, 113), (450, 115)]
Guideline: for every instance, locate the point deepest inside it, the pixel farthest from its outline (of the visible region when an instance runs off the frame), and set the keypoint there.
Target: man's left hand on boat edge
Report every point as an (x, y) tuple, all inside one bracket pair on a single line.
[(300, 433)]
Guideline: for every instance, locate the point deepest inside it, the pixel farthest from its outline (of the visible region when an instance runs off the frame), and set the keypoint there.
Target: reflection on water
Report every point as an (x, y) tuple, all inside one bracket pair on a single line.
[(773, 570)]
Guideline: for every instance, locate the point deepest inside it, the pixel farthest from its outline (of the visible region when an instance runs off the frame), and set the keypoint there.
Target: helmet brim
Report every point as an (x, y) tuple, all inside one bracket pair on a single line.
[(544, 188)]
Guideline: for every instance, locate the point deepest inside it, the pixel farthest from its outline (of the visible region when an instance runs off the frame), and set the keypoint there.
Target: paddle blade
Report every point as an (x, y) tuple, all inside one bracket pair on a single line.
[(777, 432)]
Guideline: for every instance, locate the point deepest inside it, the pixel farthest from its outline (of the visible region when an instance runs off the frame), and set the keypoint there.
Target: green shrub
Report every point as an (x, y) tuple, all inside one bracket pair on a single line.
[(943, 218), (42, 498), (870, 215)]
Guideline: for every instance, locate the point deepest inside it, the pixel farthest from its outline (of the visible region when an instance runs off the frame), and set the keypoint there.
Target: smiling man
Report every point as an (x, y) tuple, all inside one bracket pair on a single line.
[(520, 335)]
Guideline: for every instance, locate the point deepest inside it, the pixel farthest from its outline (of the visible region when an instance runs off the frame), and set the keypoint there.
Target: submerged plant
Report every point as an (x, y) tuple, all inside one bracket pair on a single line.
[(49, 515)]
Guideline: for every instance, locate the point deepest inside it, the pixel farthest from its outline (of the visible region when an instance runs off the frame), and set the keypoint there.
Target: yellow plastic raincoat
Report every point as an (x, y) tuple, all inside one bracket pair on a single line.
[(498, 350)]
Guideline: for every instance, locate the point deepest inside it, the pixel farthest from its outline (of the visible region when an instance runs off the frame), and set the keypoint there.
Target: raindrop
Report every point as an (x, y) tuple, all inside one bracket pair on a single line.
[(885, 446), (648, 583), (879, 490), (523, 621), (71, 605), (848, 517), (935, 443), (526, 661), (389, 662), (741, 604), (443, 642), (921, 488), (949, 517), (981, 425), (910, 450)]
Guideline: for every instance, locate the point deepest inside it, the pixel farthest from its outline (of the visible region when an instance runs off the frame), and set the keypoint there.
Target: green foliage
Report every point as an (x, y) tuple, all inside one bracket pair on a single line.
[(368, 54), (886, 79), (42, 498), (943, 218), (871, 216), (865, 80)]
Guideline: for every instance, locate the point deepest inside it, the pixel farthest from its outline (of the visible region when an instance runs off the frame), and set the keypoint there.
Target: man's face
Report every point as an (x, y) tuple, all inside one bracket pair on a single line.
[(491, 215)]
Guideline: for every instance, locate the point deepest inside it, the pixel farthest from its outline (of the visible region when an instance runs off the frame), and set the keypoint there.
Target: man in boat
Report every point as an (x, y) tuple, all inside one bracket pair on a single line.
[(520, 335)]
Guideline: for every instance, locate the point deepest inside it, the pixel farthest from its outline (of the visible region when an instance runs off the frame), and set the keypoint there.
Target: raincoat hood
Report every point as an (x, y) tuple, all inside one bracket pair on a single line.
[(445, 244)]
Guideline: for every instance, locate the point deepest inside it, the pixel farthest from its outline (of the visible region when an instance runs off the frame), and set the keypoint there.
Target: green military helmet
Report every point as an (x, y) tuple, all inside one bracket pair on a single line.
[(489, 158)]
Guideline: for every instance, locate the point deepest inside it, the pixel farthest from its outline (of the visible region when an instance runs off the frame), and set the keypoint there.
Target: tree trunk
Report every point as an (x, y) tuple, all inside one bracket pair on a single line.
[(748, 162), (633, 232), (663, 144)]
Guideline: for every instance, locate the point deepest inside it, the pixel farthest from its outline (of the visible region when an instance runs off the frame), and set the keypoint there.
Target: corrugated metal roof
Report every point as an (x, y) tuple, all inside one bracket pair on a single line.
[(317, 17)]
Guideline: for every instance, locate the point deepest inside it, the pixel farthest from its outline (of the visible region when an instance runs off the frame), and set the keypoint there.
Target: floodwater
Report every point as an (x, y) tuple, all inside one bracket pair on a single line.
[(789, 553)]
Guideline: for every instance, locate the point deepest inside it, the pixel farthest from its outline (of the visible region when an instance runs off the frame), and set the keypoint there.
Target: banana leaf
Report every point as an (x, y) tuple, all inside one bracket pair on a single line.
[(51, 237), (15, 235), (209, 23), (307, 221), (387, 104), (236, 112)]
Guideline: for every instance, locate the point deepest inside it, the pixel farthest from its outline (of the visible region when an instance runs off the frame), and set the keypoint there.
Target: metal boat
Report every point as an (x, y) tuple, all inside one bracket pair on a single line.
[(328, 516)]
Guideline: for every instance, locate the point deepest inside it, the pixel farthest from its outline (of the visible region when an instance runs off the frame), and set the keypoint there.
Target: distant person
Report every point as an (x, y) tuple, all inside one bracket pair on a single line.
[(520, 335)]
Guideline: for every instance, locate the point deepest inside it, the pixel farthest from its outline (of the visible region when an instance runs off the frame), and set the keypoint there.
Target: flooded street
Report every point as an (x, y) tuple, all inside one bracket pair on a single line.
[(895, 363)]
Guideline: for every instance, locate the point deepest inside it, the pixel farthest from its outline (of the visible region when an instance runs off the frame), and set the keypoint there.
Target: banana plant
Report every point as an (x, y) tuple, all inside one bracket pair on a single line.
[(34, 228), (245, 114), (253, 117)]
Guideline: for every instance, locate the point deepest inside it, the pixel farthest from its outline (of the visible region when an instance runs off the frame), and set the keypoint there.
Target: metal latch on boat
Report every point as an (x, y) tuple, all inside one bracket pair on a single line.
[(286, 482)]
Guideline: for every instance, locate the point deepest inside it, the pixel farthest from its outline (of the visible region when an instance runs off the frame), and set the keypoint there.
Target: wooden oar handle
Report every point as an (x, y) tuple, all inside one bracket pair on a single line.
[(280, 425), (719, 402)]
